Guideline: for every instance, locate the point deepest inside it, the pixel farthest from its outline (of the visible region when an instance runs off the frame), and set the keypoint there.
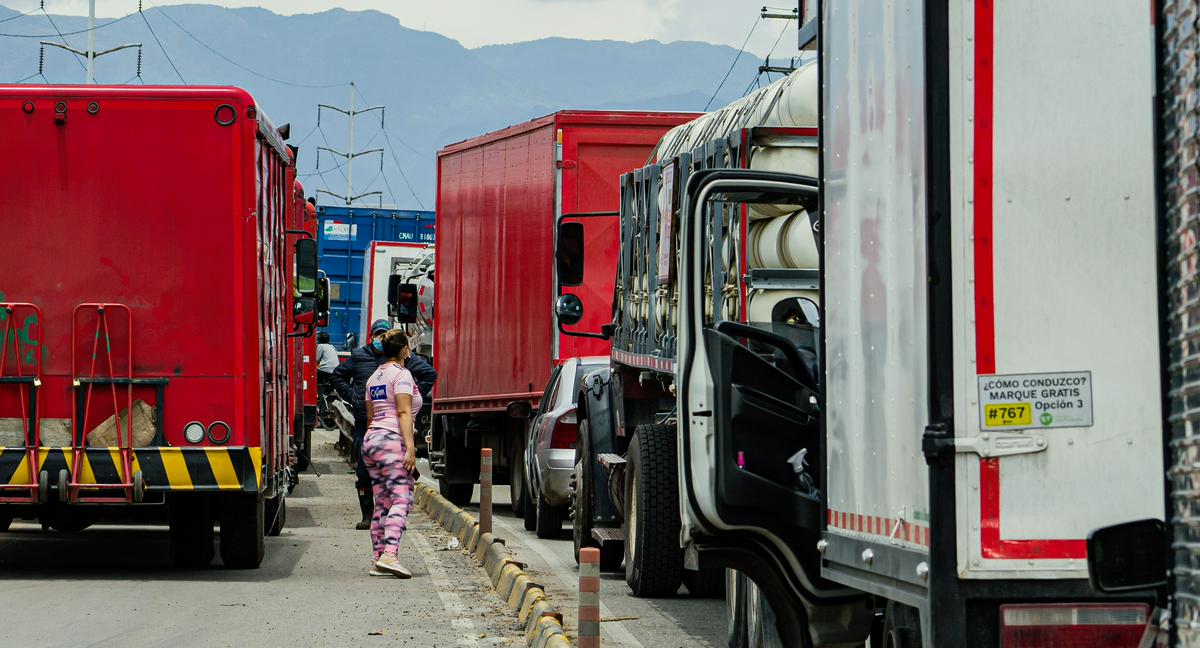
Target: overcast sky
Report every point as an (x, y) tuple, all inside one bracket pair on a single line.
[(482, 22)]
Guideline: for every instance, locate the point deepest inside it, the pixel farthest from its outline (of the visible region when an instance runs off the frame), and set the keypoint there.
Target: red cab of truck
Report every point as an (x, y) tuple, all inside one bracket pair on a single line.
[(501, 198), (145, 303)]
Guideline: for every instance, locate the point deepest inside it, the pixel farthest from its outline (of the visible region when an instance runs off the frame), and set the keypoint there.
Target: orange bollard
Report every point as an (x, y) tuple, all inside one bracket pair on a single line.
[(485, 491), (589, 598)]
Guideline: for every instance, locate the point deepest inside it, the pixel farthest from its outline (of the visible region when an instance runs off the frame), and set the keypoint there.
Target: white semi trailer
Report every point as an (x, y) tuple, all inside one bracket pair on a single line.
[(919, 457)]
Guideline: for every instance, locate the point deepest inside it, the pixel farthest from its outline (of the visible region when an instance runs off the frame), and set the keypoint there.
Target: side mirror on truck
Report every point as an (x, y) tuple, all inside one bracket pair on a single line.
[(402, 300), (304, 312), (568, 254), (322, 300), (306, 268), (569, 309), (1128, 556)]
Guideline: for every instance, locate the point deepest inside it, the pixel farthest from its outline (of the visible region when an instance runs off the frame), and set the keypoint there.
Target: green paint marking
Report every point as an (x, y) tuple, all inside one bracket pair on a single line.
[(1047, 418)]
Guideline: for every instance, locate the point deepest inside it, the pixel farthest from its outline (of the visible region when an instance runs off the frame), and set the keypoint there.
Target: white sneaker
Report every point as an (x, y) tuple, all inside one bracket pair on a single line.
[(375, 572), (390, 564)]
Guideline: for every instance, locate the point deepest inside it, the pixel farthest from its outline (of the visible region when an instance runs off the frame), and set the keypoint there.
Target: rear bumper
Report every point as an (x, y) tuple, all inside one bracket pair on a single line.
[(207, 469), (555, 468)]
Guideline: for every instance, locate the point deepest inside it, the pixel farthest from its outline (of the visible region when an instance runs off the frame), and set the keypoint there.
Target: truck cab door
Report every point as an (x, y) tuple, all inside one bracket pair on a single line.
[(748, 398)]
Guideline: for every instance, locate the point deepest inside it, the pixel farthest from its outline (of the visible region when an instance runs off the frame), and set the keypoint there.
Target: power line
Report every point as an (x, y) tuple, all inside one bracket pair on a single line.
[(785, 29), (160, 45), (60, 35), (19, 16), (734, 64), (239, 65), (392, 150), (70, 33), (35, 74)]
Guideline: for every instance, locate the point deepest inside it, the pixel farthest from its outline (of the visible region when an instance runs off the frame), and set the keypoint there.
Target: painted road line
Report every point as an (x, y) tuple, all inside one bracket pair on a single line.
[(615, 632), (456, 609)]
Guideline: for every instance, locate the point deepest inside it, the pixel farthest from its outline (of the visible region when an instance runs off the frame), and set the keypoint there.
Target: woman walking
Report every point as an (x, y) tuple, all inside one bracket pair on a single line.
[(389, 453)]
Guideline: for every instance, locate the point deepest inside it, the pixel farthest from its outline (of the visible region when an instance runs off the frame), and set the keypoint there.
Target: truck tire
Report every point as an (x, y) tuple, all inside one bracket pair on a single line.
[(275, 515), (304, 452), (530, 512), (549, 519), (242, 531), (707, 583), (5, 522), (901, 626), (190, 531), (581, 493), (458, 494), (653, 557), (516, 478)]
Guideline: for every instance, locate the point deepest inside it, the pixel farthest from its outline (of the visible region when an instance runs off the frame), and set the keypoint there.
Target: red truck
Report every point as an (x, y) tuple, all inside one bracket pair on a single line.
[(501, 198), (146, 303)]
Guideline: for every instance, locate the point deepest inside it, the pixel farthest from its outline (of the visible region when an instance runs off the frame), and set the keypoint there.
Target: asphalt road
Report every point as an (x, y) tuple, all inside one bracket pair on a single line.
[(626, 621), (115, 586)]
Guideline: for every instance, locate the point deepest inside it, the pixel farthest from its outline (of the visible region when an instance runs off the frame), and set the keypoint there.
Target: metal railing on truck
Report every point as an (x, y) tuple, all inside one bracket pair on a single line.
[(647, 340)]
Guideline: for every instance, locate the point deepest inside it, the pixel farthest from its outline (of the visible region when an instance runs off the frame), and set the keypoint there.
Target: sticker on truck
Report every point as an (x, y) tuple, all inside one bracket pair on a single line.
[(335, 231), (1042, 400)]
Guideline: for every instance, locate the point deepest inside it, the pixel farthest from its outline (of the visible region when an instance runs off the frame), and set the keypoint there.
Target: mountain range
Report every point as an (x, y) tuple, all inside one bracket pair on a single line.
[(435, 90)]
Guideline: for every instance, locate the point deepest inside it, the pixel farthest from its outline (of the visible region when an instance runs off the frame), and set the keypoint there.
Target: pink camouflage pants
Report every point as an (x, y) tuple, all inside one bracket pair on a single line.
[(383, 454)]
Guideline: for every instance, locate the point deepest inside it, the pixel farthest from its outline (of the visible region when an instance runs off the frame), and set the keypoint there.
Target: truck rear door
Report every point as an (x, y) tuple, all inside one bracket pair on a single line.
[(1057, 363)]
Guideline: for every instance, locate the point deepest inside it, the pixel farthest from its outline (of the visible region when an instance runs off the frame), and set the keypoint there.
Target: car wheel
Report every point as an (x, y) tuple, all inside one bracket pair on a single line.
[(516, 478), (549, 520)]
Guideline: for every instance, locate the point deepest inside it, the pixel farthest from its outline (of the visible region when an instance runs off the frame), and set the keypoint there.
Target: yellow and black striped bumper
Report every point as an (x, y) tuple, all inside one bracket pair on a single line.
[(163, 469)]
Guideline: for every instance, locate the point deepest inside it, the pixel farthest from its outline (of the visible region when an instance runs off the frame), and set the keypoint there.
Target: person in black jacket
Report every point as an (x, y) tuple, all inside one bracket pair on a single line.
[(350, 381)]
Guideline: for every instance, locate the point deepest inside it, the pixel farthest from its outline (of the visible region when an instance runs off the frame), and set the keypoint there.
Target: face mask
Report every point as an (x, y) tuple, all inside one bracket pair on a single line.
[(378, 345)]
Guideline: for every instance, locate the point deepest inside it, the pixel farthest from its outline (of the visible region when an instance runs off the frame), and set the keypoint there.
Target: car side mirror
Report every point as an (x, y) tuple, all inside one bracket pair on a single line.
[(306, 268), (569, 309), (304, 312), (568, 253), (402, 300), (1128, 556)]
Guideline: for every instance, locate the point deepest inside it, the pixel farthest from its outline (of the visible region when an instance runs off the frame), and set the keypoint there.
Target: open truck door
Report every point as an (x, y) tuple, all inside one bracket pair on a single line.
[(749, 410)]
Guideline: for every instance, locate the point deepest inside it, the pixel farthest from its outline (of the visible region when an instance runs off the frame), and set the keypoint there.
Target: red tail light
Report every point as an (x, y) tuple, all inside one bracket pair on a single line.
[(1073, 625), (566, 432)]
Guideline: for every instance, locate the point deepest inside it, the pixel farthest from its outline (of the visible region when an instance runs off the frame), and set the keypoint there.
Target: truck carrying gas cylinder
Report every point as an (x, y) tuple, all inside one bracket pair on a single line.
[(904, 424), (146, 351), (500, 197)]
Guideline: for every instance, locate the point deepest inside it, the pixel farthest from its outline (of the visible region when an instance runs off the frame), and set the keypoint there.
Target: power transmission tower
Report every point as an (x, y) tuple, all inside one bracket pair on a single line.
[(350, 153), (91, 54)]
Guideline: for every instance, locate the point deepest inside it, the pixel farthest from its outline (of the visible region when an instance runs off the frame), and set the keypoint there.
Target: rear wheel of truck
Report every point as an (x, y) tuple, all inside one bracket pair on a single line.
[(458, 494), (516, 478), (706, 583), (190, 531), (275, 514), (242, 530), (653, 558), (549, 520), (901, 626), (581, 493)]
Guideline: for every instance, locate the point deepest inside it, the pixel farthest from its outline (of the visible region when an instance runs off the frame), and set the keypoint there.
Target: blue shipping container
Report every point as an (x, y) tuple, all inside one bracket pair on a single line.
[(343, 235)]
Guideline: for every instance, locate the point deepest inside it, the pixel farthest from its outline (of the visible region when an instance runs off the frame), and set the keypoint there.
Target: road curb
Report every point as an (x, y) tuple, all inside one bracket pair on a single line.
[(541, 622)]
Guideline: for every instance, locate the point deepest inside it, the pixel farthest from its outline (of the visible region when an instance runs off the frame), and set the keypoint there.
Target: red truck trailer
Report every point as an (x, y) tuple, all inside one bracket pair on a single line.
[(145, 306), (304, 347), (501, 197)]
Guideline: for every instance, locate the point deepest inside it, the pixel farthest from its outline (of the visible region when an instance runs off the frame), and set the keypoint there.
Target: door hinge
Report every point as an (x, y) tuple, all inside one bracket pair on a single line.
[(1000, 444)]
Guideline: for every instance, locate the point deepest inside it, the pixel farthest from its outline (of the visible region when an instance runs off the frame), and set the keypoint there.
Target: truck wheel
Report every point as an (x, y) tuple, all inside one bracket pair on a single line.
[(581, 493), (901, 626), (304, 452), (706, 583), (5, 522), (458, 494), (242, 530), (516, 478), (530, 512), (190, 531), (653, 558), (275, 514), (549, 520)]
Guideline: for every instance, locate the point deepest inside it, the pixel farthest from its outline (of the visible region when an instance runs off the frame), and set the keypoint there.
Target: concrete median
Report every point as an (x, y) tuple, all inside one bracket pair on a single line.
[(541, 622)]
